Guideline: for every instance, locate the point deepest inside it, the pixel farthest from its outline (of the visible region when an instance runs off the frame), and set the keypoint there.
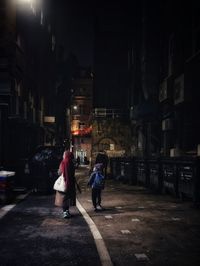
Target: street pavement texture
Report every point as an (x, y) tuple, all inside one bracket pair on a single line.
[(34, 233), (138, 227)]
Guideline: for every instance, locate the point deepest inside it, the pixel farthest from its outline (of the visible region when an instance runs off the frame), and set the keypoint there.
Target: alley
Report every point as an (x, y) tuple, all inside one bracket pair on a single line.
[(34, 233), (143, 228), (137, 226)]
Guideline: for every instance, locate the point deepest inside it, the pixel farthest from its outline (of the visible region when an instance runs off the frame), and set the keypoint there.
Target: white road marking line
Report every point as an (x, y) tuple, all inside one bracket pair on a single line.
[(101, 247), (21, 197), (5, 209), (108, 217), (141, 257), (135, 220), (176, 219), (125, 232)]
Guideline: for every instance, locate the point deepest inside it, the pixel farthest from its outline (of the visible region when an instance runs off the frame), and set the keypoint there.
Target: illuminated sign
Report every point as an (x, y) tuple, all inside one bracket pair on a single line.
[(82, 132)]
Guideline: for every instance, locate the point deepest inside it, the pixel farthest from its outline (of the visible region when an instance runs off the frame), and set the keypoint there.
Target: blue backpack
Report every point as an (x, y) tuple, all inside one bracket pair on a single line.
[(99, 181)]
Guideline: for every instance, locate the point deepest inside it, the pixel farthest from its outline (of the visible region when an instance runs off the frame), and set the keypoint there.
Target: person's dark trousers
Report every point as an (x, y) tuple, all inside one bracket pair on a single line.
[(96, 197), (65, 206)]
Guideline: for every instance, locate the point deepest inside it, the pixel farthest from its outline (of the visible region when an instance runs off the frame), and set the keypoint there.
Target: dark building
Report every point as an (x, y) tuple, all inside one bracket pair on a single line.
[(112, 38), (146, 77), (80, 113), (164, 98), (180, 72), (148, 64), (26, 78)]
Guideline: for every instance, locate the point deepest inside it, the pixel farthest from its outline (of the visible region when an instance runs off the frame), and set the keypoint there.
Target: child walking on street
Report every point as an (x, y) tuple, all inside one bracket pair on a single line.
[(97, 183)]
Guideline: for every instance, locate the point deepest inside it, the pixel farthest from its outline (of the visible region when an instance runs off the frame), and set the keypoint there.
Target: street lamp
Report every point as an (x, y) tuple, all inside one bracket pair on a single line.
[(24, 1), (32, 4)]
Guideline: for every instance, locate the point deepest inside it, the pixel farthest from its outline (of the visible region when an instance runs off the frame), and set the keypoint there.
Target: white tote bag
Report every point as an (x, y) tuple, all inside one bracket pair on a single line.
[(59, 184)]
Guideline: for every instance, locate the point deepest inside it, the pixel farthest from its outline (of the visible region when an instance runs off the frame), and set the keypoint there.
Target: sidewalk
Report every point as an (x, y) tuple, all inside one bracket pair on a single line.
[(142, 228)]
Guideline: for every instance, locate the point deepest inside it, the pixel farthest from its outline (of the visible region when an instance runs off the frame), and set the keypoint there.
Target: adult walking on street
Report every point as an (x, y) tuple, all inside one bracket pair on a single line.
[(67, 168), (102, 157)]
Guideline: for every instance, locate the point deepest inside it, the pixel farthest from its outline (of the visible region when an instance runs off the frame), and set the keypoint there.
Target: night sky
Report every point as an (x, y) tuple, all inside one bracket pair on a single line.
[(74, 26)]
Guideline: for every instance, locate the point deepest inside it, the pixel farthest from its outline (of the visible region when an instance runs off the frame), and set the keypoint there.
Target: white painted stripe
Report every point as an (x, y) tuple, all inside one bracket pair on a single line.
[(4, 210), (175, 219), (125, 232), (108, 217), (101, 247), (21, 197), (135, 220), (141, 257)]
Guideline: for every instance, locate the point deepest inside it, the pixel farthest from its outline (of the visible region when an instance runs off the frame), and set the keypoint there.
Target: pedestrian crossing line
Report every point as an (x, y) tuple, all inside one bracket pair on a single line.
[(100, 244)]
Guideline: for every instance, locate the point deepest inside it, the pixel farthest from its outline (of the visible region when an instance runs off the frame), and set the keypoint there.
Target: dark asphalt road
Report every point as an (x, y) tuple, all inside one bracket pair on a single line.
[(34, 233), (138, 228), (143, 228)]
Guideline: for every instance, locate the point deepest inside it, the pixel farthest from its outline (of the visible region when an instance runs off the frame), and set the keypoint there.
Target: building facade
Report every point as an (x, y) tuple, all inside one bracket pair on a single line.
[(152, 63), (81, 119), (26, 79)]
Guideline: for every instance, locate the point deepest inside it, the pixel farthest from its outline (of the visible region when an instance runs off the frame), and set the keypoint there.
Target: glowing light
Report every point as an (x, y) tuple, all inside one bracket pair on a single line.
[(26, 5), (24, 1)]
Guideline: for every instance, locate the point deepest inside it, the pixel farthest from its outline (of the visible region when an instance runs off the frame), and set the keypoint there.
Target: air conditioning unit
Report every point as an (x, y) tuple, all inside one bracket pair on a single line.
[(167, 124), (179, 89)]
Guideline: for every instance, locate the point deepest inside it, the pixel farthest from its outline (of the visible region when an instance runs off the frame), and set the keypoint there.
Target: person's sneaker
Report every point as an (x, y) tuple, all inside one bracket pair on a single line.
[(66, 214), (100, 208)]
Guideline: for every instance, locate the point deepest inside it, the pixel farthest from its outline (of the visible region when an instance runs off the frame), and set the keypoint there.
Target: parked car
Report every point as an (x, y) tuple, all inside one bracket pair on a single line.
[(42, 166), (6, 186)]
